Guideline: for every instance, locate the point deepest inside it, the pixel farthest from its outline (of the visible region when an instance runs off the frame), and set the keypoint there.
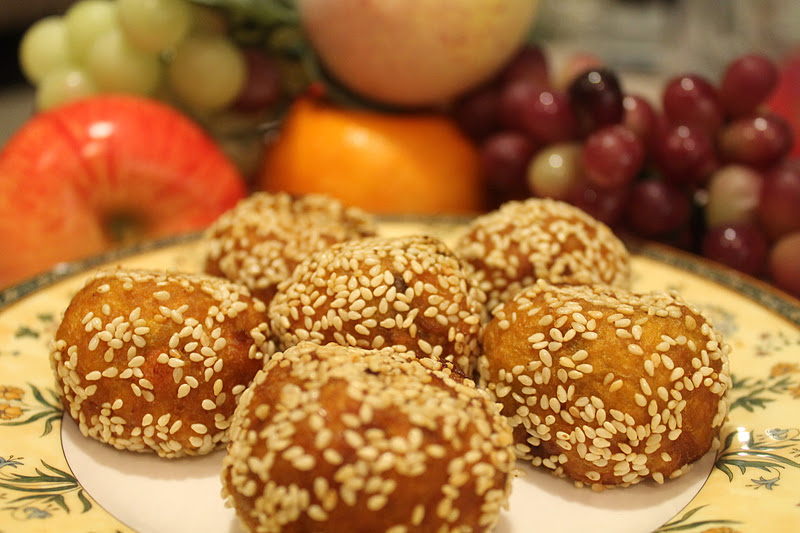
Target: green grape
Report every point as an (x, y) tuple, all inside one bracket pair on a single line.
[(43, 47), (155, 25), (116, 65), (207, 72), (62, 85), (86, 20)]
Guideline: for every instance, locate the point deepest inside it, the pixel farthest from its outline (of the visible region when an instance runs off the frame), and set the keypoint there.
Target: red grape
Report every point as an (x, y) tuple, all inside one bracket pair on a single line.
[(784, 263), (477, 113), (543, 113), (779, 209), (612, 156), (596, 98), (262, 87), (656, 208), (758, 140), (685, 154), (529, 63), (692, 99), (741, 246), (746, 83), (639, 117), (605, 204), (504, 159)]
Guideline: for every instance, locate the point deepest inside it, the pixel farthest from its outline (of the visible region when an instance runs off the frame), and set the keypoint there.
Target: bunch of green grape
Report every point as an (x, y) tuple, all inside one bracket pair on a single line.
[(170, 49)]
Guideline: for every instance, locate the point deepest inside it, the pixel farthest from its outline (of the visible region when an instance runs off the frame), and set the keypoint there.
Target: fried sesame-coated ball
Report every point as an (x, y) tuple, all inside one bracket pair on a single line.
[(380, 291), (540, 238), (333, 438), (261, 240), (154, 361), (605, 385)]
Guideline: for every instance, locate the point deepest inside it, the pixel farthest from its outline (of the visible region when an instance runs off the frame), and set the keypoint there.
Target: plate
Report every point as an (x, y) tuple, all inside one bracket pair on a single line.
[(53, 479)]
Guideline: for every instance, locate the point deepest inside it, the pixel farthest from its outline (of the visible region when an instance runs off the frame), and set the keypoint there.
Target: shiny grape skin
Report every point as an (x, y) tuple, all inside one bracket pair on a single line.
[(684, 154), (739, 245), (640, 117), (612, 156), (759, 140), (692, 99), (746, 83), (596, 98), (543, 113)]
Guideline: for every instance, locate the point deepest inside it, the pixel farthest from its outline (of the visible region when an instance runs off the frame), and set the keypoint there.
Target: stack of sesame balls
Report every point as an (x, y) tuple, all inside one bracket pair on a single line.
[(399, 378)]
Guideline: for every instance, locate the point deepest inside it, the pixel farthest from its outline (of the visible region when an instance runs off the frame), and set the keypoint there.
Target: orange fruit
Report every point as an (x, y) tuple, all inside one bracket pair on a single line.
[(380, 162)]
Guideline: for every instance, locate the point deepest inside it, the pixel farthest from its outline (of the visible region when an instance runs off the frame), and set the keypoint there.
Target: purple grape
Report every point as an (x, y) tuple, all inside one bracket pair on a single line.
[(596, 99)]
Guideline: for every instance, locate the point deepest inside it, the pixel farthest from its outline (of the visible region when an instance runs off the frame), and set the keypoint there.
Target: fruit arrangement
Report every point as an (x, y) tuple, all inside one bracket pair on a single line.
[(456, 119), (707, 169)]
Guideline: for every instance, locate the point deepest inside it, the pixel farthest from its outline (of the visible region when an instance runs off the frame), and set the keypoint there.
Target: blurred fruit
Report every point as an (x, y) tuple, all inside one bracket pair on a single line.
[(734, 193), (759, 140), (693, 100), (198, 55), (596, 100), (43, 48), (415, 53), (504, 163), (554, 170), (657, 208), (739, 245), (747, 82), (779, 206), (87, 176), (612, 156), (785, 98), (784, 263), (381, 162)]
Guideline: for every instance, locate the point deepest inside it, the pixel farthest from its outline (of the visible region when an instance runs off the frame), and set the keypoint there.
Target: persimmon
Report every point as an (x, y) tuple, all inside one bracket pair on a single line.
[(378, 161)]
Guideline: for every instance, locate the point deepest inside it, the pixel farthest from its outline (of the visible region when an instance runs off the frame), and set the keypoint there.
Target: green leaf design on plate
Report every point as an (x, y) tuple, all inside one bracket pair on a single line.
[(766, 452), (751, 394), (683, 523), (46, 408), (49, 486)]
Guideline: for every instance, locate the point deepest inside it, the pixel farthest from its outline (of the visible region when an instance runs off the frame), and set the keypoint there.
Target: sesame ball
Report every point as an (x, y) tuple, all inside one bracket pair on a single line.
[(540, 238), (607, 386), (155, 362), (337, 438), (380, 291), (261, 240)]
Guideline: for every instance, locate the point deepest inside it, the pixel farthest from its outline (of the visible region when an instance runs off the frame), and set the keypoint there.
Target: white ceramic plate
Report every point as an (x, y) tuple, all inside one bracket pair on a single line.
[(53, 479)]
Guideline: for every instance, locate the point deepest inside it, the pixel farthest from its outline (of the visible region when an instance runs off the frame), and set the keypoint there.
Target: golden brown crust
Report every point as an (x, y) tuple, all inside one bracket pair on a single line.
[(259, 242), (155, 361), (605, 385), (539, 238), (340, 439), (380, 291)]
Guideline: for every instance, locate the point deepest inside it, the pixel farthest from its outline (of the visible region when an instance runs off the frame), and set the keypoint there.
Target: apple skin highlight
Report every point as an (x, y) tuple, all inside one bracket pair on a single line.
[(104, 171)]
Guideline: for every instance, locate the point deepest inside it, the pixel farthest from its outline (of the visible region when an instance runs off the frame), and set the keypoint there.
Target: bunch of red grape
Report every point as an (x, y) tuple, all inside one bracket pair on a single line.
[(707, 169)]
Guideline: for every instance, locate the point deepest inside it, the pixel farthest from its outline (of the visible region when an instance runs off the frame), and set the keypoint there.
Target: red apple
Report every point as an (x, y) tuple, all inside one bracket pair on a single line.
[(89, 175), (415, 53)]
